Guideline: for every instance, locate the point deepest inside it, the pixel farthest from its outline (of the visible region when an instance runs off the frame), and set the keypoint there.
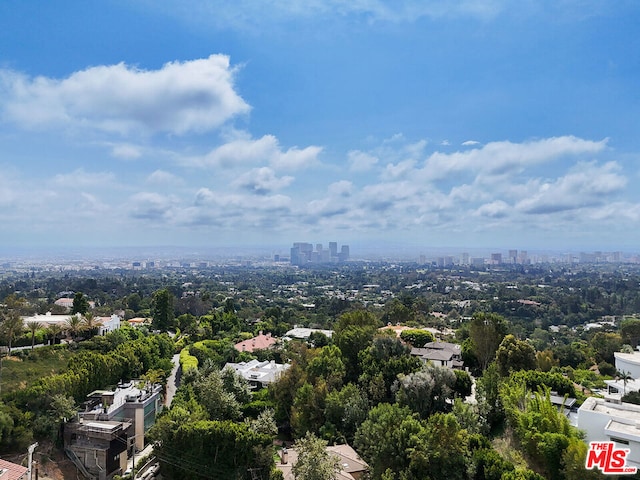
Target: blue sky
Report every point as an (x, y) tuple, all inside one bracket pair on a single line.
[(478, 123)]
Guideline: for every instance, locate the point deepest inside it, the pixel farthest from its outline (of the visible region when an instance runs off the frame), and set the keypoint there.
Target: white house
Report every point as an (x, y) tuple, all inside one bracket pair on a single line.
[(259, 374), (108, 324), (604, 421), (628, 363)]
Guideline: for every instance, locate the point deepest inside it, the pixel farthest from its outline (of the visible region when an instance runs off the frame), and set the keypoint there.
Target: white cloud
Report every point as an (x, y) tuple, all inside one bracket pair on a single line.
[(497, 158), (81, 179), (126, 151), (470, 143), (160, 177), (343, 188), (265, 150), (180, 97), (495, 209), (262, 181), (151, 206), (587, 185), (296, 158), (361, 161), (398, 170)]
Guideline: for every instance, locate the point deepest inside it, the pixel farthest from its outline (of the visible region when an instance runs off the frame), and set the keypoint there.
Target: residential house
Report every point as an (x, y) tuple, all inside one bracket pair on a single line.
[(260, 342), (303, 333), (604, 421), (259, 374), (13, 471), (352, 466), (440, 353), (98, 448), (112, 422)]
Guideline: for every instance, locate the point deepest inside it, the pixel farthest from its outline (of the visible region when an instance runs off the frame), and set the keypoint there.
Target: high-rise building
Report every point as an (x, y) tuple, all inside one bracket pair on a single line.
[(303, 253), (496, 258), (513, 256)]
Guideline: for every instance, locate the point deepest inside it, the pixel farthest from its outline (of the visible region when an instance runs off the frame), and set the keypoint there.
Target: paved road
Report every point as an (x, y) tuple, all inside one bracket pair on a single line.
[(171, 381)]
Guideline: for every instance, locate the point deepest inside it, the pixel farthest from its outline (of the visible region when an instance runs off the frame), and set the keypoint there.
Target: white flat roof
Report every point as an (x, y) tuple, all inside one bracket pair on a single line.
[(629, 357)]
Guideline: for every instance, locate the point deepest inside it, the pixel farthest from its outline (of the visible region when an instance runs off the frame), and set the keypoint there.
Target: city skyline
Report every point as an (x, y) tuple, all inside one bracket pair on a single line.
[(406, 125)]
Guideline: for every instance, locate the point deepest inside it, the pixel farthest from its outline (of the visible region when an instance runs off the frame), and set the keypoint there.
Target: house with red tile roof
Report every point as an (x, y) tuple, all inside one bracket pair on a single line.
[(256, 343), (352, 467), (12, 471)]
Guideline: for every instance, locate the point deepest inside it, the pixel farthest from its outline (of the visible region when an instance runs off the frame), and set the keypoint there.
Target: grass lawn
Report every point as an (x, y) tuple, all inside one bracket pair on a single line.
[(25, 367)]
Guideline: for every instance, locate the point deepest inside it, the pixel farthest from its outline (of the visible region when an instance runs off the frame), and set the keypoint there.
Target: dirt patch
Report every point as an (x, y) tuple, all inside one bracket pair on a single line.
[(51, 463)]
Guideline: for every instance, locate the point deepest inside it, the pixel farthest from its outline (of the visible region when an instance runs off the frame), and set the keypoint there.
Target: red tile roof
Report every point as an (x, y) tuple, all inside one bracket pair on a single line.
[(12, 471), (256, 343)]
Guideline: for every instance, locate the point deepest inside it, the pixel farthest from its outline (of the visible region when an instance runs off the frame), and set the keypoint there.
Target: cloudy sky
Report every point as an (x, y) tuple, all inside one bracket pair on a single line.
[(436, 123)]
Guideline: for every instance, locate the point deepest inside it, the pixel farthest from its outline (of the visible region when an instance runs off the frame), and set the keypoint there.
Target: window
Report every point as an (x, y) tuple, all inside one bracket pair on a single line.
[(620, 441)]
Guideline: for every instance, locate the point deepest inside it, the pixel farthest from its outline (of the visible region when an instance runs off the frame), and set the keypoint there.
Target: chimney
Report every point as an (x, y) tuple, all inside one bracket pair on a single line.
[(285, 456)]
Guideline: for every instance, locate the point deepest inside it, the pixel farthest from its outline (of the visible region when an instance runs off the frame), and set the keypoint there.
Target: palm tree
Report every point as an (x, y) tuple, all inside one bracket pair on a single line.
[(54, 330), (75, 325), (625, 377), (12, 325), (91, 323), (33, 328)]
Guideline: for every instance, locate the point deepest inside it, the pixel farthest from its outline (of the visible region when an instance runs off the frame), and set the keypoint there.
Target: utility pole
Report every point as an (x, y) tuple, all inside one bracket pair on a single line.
[(30, 450)]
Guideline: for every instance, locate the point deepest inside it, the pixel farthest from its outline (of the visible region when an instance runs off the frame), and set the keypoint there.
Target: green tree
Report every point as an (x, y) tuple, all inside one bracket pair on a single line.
[(54, 330), (134, 301), (80, 304), (33, 327), (74, 326), (514, 355), (220, 403), (463, 385), (605, 345), (387, 437), (442, 450), (91, 324), (353, 332), (265, 423), (427, 391), (488, 397), (546, 360), (486, 332), (630, 331), (328, 365), (307, 413), (344, 411), (314, 462), (381, 363), (12, 325), (162, 310), (417, 337), (213, 449)]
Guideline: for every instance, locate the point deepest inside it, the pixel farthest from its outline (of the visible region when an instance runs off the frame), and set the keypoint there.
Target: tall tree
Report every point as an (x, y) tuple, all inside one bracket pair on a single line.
[(427, 391), (386, 438), (33, 328), (514, 355), (353, 333), (486, 331), (162, 310), (54, 330), (74, 326), (314, 462), (91, 324), (80, 304), (12, 325)]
